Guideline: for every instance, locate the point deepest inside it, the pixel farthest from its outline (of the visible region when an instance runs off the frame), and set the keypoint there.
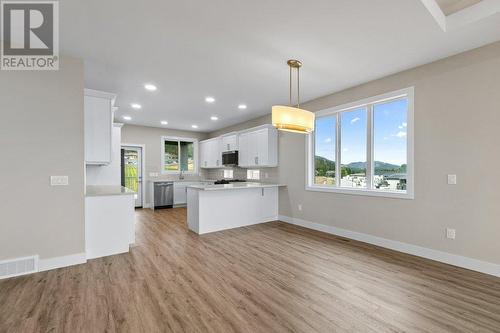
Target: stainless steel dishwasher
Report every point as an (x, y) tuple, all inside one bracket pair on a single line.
[(163, 195)]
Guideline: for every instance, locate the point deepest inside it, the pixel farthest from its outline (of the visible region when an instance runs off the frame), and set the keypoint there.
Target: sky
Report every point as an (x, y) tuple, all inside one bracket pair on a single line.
[(390, 129)]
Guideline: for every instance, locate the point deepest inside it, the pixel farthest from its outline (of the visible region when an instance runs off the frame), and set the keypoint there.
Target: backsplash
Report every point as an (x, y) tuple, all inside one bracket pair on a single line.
[(202, 175), (241, 173), (215, 174)]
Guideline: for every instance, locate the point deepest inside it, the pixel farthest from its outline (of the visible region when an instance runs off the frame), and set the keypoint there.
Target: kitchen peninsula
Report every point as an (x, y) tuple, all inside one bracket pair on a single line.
[(219, 207)]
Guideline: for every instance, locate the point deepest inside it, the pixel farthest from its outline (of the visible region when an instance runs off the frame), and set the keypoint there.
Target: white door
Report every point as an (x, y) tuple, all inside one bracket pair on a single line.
[(132, 171)]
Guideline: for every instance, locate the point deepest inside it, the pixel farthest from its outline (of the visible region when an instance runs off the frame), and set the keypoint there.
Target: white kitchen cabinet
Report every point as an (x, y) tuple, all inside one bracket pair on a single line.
[(180, 192), (229, 142), (98, 126), (210, 153), (258, 147), (211, 209), (269, 203), (180, 196), (109, 221)]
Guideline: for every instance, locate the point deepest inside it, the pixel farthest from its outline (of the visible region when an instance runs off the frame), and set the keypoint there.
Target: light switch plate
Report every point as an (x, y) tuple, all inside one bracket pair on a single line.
[(59, 180), (452, 179), (450, 233)]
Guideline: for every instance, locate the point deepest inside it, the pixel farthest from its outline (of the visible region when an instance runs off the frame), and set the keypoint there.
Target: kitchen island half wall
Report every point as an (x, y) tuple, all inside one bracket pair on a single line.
[(219, 207)]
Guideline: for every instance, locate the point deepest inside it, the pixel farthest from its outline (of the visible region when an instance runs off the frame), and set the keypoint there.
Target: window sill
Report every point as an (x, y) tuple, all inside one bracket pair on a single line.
[(370, 193)]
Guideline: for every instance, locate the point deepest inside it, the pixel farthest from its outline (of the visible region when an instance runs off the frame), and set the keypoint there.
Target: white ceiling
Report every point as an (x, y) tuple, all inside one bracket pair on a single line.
[(452, 6), (236, 51)]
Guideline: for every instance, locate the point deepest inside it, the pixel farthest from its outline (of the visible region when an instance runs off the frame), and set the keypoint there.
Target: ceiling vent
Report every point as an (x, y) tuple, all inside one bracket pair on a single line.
[(19, 266)]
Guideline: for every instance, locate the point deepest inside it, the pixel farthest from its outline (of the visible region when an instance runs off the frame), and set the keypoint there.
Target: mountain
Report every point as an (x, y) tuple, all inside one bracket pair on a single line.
[(378, 165), (322, 165)]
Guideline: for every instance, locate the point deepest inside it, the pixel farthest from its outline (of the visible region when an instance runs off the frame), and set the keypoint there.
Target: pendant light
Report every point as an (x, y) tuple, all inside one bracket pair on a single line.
[(289, 118)]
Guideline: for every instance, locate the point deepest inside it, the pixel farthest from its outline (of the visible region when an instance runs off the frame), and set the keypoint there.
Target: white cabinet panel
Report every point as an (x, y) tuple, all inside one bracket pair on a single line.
[(262, 138), (269, 203), (210, 211), (258, 148), (180, 196), (98, 126), (230, 142), (244, 153), (109, 225), (210, 153)]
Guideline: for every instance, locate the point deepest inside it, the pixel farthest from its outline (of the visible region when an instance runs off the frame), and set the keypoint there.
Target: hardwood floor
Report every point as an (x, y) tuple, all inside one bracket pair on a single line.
[(272, 277)]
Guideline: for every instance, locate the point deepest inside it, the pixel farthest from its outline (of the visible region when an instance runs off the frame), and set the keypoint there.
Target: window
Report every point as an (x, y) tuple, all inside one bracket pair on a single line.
[(253, 174), (179, 154), (324, 160), (364, 147), (353, 143)]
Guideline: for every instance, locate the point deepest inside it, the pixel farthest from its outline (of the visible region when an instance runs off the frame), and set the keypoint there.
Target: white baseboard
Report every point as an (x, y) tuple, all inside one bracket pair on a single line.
[(58, 262), (447, 258)]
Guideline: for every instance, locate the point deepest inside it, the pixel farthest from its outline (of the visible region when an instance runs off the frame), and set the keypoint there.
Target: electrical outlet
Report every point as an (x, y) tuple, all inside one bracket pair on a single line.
[(266, 175), (452, 179), (299, 207), (59, 180), (450, 233)]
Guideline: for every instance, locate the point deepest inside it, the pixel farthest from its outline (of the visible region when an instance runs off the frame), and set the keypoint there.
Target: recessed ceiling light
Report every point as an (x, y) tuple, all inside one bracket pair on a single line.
[(163, 122), (214, 118), (136, 106), (242, 106), (209, 99), (194, 126), (127, 118), (150, 87)]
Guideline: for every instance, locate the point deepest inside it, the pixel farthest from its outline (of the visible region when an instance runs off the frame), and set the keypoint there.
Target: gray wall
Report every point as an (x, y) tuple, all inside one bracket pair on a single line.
[(457, 119), (151, 138), (41, 134)]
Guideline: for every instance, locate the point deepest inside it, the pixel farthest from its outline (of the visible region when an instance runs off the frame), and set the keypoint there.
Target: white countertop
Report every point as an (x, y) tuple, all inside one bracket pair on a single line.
[(233, 186), (107, 190), (181, 180)]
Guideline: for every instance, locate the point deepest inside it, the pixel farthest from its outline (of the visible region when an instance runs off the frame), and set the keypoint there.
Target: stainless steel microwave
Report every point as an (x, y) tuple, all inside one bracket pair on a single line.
[(230, 158)]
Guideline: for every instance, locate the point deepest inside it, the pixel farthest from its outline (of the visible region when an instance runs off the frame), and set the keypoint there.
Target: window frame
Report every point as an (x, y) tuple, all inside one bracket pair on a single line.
[(179, 139), (369, 102)]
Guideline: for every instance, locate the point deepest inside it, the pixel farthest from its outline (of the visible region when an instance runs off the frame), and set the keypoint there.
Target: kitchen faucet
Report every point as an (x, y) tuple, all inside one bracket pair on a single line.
[(181, 176)]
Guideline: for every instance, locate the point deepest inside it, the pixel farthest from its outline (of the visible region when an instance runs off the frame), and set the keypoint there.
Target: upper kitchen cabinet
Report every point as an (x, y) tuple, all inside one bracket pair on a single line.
[(98, 110), (210, 153), (229, 142), (258, 147)]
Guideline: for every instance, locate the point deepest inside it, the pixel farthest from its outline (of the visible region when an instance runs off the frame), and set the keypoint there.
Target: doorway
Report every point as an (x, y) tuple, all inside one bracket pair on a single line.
[(132, 171)]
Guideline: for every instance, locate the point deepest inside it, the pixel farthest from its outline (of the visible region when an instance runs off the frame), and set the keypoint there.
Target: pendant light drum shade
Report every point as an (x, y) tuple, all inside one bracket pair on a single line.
[(287, 118)]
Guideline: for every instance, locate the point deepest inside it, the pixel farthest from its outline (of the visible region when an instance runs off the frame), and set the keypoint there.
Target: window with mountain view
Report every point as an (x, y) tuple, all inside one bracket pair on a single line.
[(389, 139), (325, 150), (179, 155), (353, 148), (364, 147)]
